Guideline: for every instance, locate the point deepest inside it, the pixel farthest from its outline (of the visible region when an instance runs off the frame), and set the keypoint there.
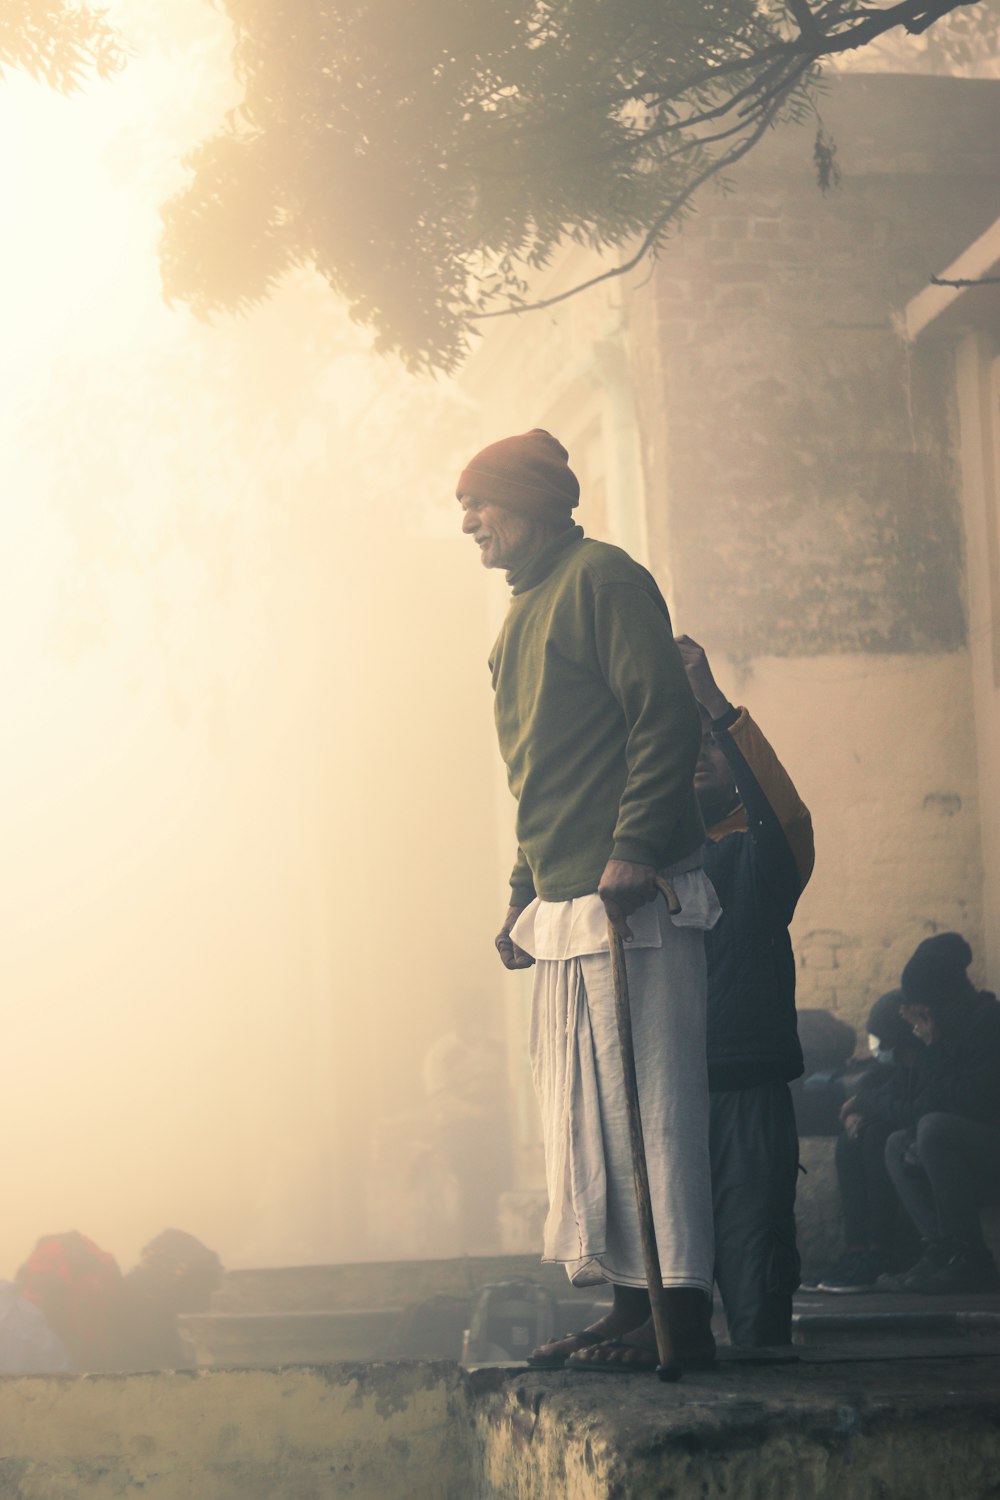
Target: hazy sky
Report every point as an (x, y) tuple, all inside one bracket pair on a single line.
[(247, 753)]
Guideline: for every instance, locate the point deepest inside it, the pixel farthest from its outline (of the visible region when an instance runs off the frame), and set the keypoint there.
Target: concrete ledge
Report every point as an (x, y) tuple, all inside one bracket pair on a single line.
[(370, 1432), (837, 1426), (913, 1429)]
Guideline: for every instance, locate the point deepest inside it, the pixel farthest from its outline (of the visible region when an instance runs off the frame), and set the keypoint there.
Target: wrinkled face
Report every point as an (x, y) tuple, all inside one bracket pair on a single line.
[(713, 781), (505, 538)]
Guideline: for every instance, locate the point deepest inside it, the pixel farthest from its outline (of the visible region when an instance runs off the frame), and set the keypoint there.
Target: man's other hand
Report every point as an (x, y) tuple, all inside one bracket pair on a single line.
[(623, 888), (703, 684), (511, 956)]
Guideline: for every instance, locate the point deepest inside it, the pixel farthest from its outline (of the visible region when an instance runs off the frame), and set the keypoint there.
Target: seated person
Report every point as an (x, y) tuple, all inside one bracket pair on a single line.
[(878, 1233), (944, 1157)]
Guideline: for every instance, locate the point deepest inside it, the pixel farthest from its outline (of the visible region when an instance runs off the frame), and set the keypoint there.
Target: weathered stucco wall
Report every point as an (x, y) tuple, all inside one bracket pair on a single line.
[(800, 1434), (815, 1431), (371, 1432)]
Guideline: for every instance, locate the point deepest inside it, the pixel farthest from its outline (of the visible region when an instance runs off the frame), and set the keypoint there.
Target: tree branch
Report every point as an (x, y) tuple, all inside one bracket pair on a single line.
[(649, 242), (807, 23), (425, 183), (913, 15)]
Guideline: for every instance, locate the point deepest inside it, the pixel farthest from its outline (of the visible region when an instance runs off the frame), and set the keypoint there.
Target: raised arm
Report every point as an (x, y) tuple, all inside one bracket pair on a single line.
[(778, 820)]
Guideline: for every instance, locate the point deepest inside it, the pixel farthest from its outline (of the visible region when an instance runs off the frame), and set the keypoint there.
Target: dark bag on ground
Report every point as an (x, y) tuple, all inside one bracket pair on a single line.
[(828, 1043), (827, 1048)]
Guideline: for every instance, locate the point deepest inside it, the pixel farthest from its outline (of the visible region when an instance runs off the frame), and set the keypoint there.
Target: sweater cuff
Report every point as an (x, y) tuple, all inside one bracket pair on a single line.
[(726, 720), (522, 895), (633, 852)]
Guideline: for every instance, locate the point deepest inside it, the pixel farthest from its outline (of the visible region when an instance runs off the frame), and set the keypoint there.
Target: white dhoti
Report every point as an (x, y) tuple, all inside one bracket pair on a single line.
[(593, 1224)]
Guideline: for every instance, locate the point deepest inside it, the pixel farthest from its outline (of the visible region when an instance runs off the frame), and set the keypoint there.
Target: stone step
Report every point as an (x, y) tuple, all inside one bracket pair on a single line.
[(224, 1340), (375, 1284), (921, 1321), (221, 1340)]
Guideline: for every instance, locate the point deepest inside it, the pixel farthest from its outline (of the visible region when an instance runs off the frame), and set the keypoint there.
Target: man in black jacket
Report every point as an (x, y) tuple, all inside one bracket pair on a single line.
[(759, 857), (944, 1161)]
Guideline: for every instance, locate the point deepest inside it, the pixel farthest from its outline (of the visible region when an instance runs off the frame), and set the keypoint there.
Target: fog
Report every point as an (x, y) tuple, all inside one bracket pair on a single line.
[(250, 855)]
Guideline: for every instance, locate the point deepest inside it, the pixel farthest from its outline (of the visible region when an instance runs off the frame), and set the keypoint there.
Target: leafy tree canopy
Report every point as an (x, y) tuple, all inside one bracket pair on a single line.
[(427, 155), (57, 41)]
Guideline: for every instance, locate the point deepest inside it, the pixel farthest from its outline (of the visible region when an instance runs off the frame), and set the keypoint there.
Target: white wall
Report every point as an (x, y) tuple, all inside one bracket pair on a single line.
[(883, 752), (978, 387)]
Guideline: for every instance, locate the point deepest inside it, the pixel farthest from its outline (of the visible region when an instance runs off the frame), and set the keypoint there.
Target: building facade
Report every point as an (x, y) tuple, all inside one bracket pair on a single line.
[(809, 478)]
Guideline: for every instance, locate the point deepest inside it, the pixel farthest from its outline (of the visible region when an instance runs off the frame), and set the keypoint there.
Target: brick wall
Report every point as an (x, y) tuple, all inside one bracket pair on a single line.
[(799, 460)]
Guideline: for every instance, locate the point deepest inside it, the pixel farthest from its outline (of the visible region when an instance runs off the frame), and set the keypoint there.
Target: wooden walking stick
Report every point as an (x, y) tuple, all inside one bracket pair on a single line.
[(668, 1368)]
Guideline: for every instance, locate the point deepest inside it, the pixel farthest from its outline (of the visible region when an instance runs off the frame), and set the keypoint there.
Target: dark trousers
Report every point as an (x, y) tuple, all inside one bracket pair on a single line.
[(874, 1218), (945, 1172), (755, 1161)]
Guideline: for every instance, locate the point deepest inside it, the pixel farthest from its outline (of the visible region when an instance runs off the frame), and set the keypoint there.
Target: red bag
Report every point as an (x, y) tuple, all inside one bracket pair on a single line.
[(78, 1288)]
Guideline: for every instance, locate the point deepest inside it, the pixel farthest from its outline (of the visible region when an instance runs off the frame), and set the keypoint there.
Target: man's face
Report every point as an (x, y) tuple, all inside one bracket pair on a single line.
[(922, 1021), (713, 780), (505, 538)]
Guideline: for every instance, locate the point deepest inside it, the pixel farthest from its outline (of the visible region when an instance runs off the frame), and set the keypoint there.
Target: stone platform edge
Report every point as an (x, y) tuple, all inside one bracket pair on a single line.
[(412, 1430)]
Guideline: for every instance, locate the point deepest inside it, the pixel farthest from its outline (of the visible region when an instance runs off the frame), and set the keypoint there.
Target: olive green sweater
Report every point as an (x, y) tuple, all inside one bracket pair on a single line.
[(597, 724)]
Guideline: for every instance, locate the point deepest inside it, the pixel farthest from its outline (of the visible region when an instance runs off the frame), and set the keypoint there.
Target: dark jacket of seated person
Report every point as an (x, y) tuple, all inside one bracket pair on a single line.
[(944, 1160), (956, 1072)]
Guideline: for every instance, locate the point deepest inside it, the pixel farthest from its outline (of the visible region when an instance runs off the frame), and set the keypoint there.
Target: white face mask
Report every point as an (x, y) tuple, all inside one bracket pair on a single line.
[(879, 1053)]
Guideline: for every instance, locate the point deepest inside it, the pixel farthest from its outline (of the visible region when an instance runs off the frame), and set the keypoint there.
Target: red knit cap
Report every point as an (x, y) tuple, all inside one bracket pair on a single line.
[(529, 472)]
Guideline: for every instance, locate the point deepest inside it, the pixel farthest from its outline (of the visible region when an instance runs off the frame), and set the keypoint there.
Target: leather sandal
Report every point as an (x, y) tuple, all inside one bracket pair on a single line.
[(586, 1337), (647, 1364)]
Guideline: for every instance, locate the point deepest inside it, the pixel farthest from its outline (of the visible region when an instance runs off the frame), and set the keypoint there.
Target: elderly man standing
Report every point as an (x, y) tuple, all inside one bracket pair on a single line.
[(600, 733)]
